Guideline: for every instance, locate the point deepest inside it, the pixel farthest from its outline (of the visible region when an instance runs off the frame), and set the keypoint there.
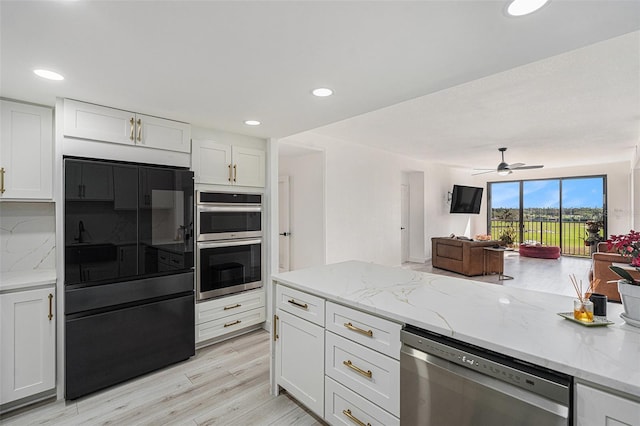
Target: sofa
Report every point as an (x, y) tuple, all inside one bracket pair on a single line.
[(600, 262), (461, 256)]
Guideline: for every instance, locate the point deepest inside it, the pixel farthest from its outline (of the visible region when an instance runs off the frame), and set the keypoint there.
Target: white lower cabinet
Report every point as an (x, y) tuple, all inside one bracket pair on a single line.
[(217, 317), (27, 343), (345, 407), (369, 373), (300, 359), (595, 407)]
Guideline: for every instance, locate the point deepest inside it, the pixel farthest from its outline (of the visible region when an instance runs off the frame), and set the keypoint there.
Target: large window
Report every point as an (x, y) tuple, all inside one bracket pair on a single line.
[(549, 211)]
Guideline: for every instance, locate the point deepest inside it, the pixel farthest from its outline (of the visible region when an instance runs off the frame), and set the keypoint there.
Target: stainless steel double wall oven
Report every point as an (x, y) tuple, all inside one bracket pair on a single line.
[(229, 243)]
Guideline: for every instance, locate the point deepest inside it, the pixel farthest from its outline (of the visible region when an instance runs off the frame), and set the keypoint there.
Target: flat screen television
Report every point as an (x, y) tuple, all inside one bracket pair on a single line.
[(466, 199)]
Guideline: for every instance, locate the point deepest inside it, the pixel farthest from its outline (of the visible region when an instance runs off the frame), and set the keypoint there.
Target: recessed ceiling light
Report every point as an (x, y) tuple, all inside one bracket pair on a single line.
[(49, 75), (252, 123), (524, 7), (322, 92)]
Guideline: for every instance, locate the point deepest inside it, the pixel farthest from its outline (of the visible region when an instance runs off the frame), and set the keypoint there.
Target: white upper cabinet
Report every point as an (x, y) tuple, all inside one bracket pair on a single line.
[(95, 122), (26, 152), (224, 164)]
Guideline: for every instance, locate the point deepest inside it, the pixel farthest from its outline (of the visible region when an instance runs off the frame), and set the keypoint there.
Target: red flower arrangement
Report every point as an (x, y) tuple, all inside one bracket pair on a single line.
[(627, 245)]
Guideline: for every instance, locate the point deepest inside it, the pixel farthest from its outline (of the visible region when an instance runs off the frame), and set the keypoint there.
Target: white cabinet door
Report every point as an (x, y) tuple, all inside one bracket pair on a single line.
[(248, 166), (595, 407), (26, 152), (160, 133), (27, 343), (300, 360), (223, 164), (212, 162), (89, 121)]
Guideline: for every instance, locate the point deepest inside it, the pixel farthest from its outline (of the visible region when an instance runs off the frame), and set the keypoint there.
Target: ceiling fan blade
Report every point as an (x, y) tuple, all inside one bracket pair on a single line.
[(527, 167), (485, 171), (515, 165)]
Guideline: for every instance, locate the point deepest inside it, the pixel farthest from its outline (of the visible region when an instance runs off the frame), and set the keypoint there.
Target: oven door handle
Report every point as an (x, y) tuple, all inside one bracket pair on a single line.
[(229, 243), (237, 208)]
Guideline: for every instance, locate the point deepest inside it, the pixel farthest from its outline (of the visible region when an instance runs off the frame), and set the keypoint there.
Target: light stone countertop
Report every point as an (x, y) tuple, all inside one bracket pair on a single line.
[(23, 280), (520, 323)]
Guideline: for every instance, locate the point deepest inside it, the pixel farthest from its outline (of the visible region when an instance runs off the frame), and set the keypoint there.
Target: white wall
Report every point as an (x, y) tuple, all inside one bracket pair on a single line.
[(362, 201), (306, 202), (619, 211)]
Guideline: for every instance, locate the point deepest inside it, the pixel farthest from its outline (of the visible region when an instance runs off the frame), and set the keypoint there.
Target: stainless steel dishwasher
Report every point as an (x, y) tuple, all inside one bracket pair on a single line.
[(446, 382)]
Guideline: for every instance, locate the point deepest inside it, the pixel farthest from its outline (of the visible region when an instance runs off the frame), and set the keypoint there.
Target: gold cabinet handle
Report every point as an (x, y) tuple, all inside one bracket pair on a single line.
[(358, 330), (139, 130), (354, 418), (229, 324), (275, 328), (366, 374), (299, 305), (2, 180), (50, 306), (229, 179), (235, 172), (131, 122), (237, 305)]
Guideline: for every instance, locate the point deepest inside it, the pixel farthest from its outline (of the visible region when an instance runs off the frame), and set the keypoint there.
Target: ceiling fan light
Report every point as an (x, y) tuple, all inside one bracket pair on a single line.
[(504, 172)]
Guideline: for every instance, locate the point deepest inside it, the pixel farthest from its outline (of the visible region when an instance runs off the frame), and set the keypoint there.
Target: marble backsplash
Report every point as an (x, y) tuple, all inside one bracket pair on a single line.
[(27, 236)]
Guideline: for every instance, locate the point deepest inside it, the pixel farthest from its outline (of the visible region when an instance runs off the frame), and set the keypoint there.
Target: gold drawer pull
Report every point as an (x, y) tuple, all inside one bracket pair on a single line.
[(2, 180), (133, 126), (300, 305), (229, 324), (237, 305), (366, 374), (358, 330), (50, 307), (354, 418)]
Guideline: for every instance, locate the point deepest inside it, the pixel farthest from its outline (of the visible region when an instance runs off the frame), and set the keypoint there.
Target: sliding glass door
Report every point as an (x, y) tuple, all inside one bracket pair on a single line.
[(552, 212)]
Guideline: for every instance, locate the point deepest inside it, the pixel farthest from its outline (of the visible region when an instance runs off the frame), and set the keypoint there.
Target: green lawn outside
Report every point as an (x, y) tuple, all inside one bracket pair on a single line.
[(548, 233)]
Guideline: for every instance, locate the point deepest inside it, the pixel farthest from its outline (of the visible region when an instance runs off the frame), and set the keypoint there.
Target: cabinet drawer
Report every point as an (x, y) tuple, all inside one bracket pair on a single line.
[(225, 306), (374, 332), (364, 371), (300, 304), (228, 324), (342, 406)]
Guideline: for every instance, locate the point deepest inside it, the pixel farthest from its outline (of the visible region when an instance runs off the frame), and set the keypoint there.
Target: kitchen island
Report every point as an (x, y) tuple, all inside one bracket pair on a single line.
[(518, 323)]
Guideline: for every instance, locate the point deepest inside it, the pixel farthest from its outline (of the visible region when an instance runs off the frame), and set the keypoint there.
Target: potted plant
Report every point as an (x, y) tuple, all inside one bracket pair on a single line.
[(629, 288)]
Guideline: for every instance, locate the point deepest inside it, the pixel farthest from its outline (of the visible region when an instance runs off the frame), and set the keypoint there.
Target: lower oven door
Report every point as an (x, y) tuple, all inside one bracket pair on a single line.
[(438, 392), (226, 267)]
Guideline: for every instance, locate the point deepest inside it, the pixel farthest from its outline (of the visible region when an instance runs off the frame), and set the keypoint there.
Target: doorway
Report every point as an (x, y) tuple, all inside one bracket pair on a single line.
[(412, 217), (301, 205)]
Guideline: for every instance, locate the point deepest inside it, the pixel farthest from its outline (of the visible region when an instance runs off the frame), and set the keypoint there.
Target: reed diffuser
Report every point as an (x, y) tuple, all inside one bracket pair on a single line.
[(582, 306)]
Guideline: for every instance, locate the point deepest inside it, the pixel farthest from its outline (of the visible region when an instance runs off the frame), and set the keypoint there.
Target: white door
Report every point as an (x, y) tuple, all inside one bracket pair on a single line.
[(26, 151), (163, 134), (89, 121), (27, 343), (404, 222), (212, 162), (284, 239), (248, 166)]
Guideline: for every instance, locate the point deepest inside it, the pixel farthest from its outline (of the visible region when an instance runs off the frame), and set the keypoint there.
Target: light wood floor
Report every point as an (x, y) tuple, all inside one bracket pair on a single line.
[(224, 384), (228, 383)]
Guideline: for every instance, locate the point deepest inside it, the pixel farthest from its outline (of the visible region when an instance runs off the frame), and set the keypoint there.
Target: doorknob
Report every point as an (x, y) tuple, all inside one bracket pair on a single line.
[(285, 234), (402, 227)]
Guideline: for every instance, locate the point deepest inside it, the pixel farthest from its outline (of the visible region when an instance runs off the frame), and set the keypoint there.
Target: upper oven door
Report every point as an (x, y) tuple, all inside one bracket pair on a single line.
[(217, 222)]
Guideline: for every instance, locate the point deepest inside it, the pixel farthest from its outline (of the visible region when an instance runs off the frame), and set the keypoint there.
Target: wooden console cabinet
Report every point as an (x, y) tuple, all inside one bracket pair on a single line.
[(461, 256)]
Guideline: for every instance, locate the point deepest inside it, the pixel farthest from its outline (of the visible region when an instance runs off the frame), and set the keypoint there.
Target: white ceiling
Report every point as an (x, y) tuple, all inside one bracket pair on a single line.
[(447, 80)]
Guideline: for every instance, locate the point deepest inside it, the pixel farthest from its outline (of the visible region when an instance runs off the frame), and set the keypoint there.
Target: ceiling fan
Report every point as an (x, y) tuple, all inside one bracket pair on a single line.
[(504, 169)]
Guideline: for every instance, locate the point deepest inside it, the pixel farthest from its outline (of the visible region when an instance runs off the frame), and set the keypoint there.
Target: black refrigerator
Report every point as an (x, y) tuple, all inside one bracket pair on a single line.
[(129, 283)]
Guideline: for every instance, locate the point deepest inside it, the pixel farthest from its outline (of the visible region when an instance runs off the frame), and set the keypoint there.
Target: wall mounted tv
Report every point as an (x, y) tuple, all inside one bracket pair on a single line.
[(466, 199)]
